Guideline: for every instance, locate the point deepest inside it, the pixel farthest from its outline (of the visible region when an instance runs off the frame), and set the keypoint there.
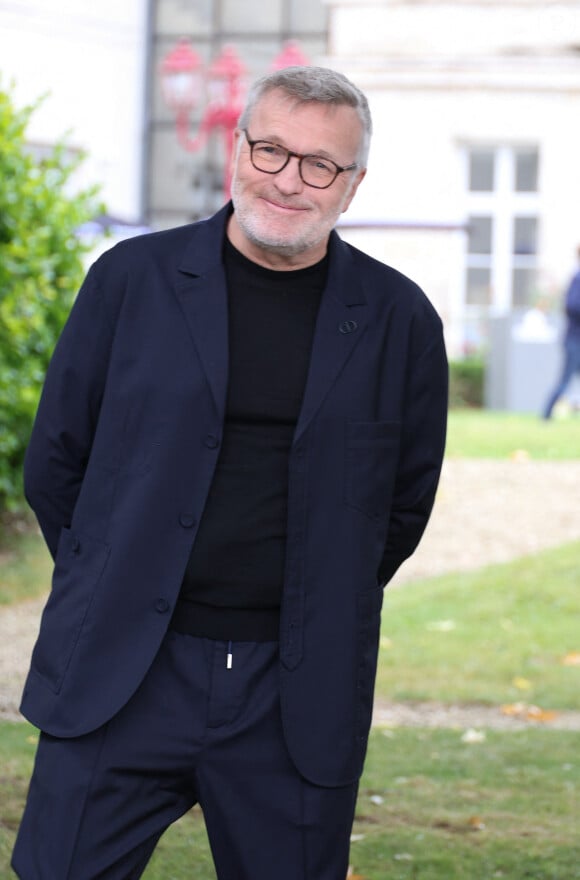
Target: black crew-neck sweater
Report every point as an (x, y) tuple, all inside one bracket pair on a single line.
[(233, 582)]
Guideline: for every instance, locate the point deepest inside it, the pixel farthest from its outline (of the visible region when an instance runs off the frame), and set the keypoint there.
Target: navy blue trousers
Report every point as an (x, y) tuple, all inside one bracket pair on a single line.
[(196, 731)]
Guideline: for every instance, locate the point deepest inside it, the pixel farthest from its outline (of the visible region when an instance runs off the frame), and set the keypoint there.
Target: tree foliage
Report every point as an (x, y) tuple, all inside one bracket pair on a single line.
[(40, 269)]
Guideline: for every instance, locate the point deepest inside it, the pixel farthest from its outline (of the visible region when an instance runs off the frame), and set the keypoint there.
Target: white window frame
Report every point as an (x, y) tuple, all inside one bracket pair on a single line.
[(503, 204)]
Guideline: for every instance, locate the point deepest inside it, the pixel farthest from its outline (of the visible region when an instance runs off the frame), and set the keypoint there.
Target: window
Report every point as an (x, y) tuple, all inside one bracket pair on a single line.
[(501, 249)]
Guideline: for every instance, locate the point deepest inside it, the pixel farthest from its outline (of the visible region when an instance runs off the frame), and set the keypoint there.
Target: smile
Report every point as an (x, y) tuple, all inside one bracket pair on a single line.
[(280, 206)]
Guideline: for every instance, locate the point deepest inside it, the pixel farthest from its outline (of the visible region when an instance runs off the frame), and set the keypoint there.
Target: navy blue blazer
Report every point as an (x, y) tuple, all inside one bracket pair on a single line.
[(122, 455)]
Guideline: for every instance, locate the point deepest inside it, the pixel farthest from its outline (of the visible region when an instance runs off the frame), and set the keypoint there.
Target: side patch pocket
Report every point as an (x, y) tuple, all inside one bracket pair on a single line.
[(79, 564)]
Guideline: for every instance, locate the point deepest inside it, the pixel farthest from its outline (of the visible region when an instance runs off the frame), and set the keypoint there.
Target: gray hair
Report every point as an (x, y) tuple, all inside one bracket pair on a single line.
[(314, 85)]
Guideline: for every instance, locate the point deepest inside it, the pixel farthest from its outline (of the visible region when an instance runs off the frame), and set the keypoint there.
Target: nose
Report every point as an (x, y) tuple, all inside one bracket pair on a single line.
[(288, 180)]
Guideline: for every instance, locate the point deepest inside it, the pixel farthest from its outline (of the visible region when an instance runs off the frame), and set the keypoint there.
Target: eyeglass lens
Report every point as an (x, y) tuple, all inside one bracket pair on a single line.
[(314, 170)]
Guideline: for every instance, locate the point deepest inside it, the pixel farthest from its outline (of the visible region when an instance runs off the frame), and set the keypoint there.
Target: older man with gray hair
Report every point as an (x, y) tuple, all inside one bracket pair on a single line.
[(238, 443)]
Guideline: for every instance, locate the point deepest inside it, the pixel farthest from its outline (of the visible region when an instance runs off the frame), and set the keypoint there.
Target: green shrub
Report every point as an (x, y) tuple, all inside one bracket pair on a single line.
[(40, 270), (466, 378)]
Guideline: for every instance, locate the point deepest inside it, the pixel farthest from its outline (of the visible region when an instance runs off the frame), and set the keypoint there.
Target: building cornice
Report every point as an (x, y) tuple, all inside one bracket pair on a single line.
[(529, 74)]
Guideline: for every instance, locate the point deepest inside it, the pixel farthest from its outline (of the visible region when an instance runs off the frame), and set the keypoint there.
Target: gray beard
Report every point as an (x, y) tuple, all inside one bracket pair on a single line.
[(275, 245), (281, 248)]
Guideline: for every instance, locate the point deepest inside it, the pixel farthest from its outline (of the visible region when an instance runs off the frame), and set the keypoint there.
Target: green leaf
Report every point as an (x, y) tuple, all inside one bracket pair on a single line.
[(41, 268)]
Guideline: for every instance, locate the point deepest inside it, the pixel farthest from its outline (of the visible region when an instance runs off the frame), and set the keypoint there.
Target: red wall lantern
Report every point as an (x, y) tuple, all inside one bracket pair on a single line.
[(290, 56), (181, 77), (183, 80)]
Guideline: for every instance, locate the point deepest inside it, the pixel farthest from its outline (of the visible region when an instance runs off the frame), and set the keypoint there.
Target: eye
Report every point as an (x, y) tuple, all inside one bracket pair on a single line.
[(320, 165), (268, 150)]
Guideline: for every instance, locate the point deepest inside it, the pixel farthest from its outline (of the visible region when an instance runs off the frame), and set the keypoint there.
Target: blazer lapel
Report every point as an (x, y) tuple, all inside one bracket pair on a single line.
[(341, 323), (202, 295)]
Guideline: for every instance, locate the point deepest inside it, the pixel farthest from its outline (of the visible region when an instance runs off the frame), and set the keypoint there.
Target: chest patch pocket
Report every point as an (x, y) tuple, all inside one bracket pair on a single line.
[(371, 454)]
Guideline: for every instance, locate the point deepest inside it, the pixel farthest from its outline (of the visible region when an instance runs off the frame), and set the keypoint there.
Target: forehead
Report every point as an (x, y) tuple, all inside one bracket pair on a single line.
[(311, 127)]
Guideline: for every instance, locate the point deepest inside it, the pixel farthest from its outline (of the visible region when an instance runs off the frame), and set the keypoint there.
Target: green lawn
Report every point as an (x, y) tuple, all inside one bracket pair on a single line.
[(505, 807), (483, 434), (496, 635)]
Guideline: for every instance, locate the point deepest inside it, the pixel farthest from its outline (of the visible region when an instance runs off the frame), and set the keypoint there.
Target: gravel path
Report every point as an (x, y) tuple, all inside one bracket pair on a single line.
[(494, 511), (486, 512)]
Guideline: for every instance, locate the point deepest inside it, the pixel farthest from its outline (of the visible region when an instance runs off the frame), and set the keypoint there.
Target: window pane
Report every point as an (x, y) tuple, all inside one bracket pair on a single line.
[(527, 171), (478, 287), (523, 286), (525, 235), (308, 15), (186, 17), (479, 239), (481, 170), (251, 16)]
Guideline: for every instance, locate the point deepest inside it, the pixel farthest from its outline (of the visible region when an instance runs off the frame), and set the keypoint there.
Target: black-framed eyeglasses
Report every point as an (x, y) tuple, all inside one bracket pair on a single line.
[(316, 171)]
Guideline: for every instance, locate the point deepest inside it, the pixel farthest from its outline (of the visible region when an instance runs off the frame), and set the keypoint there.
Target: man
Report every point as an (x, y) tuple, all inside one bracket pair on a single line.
[(238, 443), (571, 364)]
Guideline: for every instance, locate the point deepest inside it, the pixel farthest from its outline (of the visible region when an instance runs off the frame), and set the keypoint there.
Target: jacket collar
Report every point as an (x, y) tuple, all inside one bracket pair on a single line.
[(341, 322), (204, 253), (204, 249)]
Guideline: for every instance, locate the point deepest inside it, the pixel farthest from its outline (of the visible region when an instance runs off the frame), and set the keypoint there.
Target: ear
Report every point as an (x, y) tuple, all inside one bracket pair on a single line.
[(356, 181)]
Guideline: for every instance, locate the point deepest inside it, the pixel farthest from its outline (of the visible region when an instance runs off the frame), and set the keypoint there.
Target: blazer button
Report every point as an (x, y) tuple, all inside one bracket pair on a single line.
[(211, 441), (187, 520), (348, 326), (162, 606), (76, 545)]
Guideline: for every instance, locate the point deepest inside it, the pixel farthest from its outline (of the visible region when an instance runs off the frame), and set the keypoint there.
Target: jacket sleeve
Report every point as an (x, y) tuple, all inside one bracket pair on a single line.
[(67, 414), (421, 457)]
